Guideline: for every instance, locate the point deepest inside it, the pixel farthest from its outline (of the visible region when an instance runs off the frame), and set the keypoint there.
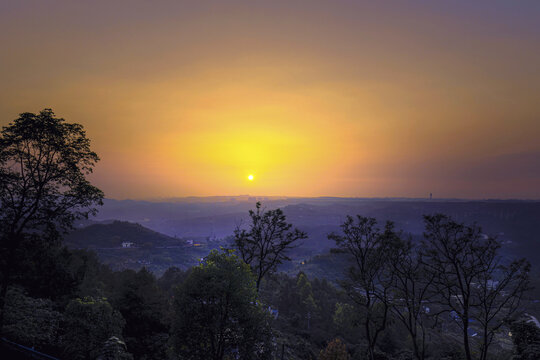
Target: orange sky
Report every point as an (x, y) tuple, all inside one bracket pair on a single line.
[(333, 98)]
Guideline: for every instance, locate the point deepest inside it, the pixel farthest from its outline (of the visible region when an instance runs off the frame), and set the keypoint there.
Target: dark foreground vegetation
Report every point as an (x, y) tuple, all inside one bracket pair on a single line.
[(448, 295)]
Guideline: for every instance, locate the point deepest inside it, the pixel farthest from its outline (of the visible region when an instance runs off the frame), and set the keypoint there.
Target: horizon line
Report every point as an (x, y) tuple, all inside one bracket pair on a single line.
[(249, 197)]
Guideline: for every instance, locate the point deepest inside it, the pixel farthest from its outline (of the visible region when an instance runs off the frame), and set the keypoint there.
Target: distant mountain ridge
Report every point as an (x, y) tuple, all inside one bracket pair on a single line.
[(159, 229), (513, 221)]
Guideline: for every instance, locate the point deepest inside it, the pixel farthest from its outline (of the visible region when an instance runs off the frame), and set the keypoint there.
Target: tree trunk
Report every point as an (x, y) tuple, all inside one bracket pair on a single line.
[(415, 346), (485, 344), (3, 291), (258, 284), (423, 343), (6, 279), (466, 340), (371, 346)]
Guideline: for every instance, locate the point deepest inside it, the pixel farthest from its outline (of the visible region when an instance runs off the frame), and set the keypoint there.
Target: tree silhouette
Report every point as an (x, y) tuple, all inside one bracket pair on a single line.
[(217, 315), (264, 246), (469, 278), (88, 324), (369, 280), (412, 287), (43, 187)]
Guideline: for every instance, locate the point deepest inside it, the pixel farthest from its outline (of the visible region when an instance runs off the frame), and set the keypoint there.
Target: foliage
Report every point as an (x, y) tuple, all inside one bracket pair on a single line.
[(346, 317), (171, 278), (89, 273), (29, 321), (336, 350), (308, 305), (58, 273), (44, 161), (264, 246), (43, 187), (217, 314), (526, 337), (114, 349), (143, 306), (88, 324)]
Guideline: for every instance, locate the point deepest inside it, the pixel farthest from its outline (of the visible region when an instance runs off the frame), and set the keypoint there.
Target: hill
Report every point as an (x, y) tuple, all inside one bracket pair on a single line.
[(150, 249), (114, 234)]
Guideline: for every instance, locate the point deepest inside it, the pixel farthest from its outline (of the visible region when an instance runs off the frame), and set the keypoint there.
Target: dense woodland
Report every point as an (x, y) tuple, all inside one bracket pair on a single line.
[(448, 295)]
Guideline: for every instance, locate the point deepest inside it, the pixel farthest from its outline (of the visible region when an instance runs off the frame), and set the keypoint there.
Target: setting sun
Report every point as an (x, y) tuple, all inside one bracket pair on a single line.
[(250, 177), (212, 95)]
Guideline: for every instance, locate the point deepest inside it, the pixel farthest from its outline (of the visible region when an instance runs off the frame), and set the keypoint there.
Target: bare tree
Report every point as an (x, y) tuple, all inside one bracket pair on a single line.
[(449, 253), (468, 278), (265, 244), (498, 294), (412, 292), (370, 280)]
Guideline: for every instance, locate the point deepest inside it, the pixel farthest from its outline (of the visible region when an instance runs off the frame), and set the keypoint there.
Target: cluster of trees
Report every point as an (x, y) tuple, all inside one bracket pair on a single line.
[(67, 303), (235, 304), (454, 272)]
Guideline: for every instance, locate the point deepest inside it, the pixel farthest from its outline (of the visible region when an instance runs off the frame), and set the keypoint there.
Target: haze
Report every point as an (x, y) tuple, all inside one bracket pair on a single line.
[(333, 98)]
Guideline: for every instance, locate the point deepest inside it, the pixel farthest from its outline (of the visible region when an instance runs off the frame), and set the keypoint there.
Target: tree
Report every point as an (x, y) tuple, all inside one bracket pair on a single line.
[(264, 246), (370, 280), (469, 279), (335, 350), (31, 322), (143, 306), (307, 302), (498, 293), (526, 338), (346, 318), (88, 324), (449, 254), (171, 278), (58, 273), (217, 315), (43, 187), (114, 349), (412, 288)]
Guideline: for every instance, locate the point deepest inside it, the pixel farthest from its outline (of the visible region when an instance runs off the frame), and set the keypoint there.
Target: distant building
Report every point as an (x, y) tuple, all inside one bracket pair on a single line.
[(127, 244)]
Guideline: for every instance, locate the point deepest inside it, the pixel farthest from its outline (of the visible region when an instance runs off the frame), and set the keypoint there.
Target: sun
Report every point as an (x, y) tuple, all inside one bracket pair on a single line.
[(251, 177)]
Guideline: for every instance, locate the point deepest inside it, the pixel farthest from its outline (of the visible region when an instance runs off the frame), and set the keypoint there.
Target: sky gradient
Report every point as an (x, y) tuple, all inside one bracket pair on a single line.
[(314, 98)]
